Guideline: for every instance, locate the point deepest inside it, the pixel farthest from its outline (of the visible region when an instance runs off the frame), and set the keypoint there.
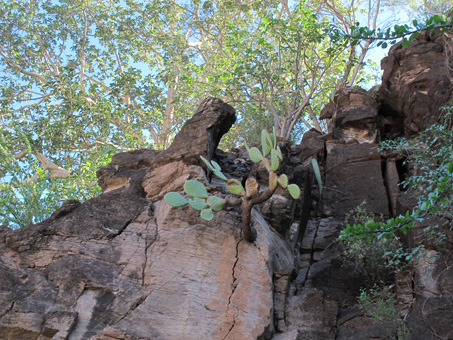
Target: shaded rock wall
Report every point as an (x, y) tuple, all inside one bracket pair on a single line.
[(417, 81)]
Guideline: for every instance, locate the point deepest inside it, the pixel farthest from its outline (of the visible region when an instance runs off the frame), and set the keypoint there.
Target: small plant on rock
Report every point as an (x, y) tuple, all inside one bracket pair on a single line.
[(380, 304), (378, 259), (270, 156)]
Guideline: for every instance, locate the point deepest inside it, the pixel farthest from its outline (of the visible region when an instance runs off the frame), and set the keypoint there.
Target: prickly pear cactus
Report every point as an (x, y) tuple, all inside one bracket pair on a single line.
[(270, 155)]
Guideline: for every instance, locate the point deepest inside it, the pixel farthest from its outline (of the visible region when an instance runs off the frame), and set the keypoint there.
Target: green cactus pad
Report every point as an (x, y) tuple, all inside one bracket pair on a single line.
[(279, 153), (175, 199), (274, 138), (220, 175), (294, 191), (207, 214), (198, 204), (275, 163), (216, 203), (255, 155), (195, 189), (283, 181), (273, 180), (208, 164), (216, 165), (315, 165), (235, 187), (266, 143), (266, 164), (215, 168)]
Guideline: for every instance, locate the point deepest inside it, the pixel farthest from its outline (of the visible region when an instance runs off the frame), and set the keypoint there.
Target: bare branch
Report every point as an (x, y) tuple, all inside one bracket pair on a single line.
[(20, 69)]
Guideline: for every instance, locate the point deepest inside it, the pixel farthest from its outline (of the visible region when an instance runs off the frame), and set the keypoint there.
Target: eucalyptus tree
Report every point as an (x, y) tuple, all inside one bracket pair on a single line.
[(278, 63), (81, 80)]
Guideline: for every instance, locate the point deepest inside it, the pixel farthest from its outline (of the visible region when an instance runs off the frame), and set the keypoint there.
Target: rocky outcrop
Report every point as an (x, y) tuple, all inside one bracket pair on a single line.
[(127, 266), (354, 116), (417, 81)]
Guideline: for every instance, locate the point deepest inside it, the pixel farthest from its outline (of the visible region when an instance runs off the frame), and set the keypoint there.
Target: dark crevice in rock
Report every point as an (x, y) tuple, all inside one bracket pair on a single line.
[(402, 169), (121, 229), (387, 184), (306, 206), (8, 310), (233, 288)]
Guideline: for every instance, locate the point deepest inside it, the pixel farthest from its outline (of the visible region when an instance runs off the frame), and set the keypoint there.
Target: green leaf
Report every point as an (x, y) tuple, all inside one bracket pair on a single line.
[(198, 204), (216, 203), (195, 189), (283, 181), (450, 168), (207, 214), (175, 199), (315, 165), (255, 155), (294, 191), (275, 163)]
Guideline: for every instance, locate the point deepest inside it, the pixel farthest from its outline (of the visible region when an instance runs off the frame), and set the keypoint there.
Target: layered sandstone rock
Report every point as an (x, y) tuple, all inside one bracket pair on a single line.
[(126, 265), (417, 81)]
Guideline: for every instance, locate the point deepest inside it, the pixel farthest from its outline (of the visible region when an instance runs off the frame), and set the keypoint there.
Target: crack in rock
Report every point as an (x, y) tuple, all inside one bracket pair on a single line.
[(234, 286)]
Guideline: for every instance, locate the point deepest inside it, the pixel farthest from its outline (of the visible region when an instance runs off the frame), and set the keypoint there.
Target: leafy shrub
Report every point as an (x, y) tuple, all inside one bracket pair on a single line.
[(381, 305), (378, 260)]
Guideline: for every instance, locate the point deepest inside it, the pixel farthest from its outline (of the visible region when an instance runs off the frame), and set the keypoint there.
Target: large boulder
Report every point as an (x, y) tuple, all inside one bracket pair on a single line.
[(126, 265), (417, 81), (354, 116)]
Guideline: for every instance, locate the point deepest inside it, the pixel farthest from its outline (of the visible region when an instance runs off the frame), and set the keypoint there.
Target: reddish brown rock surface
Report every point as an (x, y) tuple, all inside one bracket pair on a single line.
[(417, 81)]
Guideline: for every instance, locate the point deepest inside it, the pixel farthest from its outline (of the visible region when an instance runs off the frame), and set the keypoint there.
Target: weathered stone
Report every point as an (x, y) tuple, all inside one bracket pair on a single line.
[(415, 83), (281, 286), (140, 270), (354, 114), (311, 315), (310, 146), (201, 134), (277, 211), (126, 170), (353, 325), (353, 175), (170, 177)]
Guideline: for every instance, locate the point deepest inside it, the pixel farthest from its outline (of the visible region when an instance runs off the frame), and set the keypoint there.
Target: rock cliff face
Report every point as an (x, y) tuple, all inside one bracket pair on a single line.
[(127, 266)]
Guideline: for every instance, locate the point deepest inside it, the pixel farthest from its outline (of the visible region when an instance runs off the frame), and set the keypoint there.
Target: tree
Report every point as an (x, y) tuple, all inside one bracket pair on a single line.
[(74, 92), (345, 15), (279, 63)]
